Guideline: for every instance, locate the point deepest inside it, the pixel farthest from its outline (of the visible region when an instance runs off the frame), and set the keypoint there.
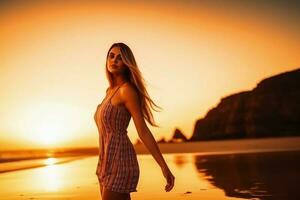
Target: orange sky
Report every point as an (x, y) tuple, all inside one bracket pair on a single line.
[(52, 58)]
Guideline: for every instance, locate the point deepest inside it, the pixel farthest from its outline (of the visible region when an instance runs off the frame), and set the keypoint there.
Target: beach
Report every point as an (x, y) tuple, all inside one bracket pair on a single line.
[(229, 146), (252, 171)]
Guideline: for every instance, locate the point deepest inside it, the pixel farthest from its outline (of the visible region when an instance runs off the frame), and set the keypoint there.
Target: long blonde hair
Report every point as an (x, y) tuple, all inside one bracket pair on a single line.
[(133, 75)]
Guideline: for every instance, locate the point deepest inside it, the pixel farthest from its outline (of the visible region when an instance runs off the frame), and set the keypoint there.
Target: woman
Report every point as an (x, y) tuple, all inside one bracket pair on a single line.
[(118, 169)]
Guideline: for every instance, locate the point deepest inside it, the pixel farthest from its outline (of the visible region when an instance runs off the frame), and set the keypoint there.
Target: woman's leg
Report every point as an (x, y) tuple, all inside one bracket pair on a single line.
[(101, 189), (110, 195)]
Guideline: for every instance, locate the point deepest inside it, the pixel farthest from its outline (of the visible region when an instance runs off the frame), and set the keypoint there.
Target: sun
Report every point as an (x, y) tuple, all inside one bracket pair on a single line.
[(51, 123)]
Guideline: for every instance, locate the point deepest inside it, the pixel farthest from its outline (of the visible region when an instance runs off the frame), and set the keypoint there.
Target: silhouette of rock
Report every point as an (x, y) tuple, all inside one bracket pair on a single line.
[(272, 108), (178, 136), (162, 140)]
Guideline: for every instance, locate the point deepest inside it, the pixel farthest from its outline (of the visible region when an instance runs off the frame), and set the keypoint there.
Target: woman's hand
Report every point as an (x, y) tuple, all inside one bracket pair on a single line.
[(169, 177)]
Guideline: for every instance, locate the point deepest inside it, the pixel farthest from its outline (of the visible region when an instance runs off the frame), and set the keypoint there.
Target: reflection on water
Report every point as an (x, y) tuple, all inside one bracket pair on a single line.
[(187, 183), (261, 175), (180, 160), (50, 178), (216, 177), (51, 161)]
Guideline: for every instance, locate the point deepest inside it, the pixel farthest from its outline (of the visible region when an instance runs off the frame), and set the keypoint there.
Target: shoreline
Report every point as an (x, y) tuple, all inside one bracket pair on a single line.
[(220, 147), (197, 177), (35, 163), (223, 146)]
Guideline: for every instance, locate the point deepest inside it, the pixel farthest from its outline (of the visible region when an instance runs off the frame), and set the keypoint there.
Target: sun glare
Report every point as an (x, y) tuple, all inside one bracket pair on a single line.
[(50, 123), (50, 161)]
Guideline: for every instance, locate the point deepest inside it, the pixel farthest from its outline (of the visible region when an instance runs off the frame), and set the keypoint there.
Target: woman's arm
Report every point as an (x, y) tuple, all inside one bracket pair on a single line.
[(131, 101)]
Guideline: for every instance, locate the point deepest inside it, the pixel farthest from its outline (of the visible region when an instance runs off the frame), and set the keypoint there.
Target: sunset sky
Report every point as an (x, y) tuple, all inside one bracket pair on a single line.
[(191, 53)]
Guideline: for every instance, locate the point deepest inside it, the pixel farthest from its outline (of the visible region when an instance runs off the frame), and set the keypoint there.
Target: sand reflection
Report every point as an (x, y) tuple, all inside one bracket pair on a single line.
[(50, 178), (257, 175)]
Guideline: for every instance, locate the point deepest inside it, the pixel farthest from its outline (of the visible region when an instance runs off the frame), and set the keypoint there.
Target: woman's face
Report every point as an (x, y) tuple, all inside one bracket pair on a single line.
[(114, 61)]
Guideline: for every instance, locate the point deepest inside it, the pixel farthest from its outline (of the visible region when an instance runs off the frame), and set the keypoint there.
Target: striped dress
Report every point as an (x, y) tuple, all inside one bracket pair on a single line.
[(118, 168)]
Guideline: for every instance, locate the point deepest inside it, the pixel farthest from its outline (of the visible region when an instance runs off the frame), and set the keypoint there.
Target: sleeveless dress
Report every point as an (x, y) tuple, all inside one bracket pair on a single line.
[(118, 168)]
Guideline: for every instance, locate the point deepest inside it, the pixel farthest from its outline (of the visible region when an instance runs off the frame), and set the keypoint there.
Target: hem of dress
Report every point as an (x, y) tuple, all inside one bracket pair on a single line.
[(120, 191)]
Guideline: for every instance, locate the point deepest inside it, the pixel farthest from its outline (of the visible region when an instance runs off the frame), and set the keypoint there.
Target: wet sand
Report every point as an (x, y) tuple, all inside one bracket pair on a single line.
[(76, 180), (248, 169)]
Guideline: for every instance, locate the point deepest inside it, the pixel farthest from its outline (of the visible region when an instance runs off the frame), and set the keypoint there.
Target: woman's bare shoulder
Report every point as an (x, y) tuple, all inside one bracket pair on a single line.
[(129, 92), (129, 87)]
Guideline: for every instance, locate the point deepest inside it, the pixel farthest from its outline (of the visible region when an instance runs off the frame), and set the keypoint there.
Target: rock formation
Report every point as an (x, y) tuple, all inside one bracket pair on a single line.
[(162, 140), (178, 136), (272, 108)]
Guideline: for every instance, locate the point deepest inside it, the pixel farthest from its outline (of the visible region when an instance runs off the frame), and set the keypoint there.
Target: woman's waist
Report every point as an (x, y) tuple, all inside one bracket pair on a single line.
[(121, 132)]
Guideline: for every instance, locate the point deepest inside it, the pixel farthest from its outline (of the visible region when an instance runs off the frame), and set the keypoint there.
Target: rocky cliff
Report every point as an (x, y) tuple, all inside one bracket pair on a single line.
[(178, 136), (272, 108)]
